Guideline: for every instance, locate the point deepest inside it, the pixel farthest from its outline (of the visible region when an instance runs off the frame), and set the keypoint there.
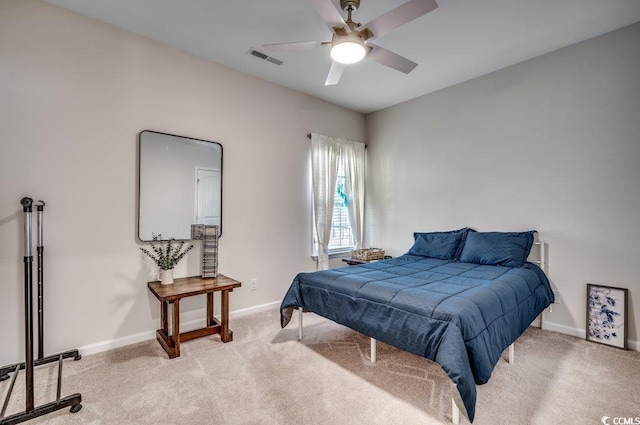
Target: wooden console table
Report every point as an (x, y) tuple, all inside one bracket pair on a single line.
[(188, 287)]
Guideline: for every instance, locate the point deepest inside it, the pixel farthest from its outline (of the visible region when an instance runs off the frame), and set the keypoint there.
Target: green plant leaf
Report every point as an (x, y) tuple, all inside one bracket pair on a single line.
[(166, 254)]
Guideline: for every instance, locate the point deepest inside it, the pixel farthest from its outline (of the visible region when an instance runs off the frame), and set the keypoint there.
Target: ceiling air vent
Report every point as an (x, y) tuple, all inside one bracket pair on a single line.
[(265, 57)]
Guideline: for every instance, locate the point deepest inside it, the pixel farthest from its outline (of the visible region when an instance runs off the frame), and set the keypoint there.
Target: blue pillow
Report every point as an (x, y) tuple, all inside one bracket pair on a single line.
[(441, 245), (509, 249)]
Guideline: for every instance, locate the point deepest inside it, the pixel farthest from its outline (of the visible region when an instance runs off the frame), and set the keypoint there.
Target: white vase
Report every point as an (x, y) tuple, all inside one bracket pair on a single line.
[(166, 277)]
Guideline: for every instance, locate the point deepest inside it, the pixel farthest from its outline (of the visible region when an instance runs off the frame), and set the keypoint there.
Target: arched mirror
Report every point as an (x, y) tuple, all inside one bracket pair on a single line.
[(180, 184)]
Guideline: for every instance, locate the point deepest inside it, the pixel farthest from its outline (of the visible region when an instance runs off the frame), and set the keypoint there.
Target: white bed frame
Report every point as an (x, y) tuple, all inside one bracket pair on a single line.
[(455, 410)]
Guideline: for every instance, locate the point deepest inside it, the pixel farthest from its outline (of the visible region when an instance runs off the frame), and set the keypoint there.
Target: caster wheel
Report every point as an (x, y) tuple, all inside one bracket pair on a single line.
[(76, 408), (4, 377), (78, 357)]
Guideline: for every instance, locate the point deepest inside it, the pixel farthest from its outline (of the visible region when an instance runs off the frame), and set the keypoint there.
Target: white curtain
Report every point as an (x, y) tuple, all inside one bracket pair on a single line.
[(325, 152), (353, 155)]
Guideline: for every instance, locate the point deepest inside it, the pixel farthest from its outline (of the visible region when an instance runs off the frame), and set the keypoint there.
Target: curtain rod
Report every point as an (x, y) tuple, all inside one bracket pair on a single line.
[(309, 137)]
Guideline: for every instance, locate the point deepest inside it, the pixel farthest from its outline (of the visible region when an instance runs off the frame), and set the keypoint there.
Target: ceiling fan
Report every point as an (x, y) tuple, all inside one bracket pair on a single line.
[(352, 42)]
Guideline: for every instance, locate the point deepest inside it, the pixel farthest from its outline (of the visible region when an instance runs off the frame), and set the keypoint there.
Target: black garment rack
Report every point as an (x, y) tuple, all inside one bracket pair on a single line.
[(74, 401)]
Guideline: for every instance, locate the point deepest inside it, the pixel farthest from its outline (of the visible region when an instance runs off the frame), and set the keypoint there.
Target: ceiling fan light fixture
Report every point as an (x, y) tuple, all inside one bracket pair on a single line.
[(348, 48)]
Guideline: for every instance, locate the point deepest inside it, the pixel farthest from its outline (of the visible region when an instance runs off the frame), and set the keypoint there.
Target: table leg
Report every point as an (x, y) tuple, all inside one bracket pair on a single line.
[(176, 327), (164, 324), (210, 319), (226, 335)]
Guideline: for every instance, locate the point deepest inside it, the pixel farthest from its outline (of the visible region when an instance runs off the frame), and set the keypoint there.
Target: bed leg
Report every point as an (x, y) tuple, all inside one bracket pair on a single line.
[(300, 324), (373, 351), (543, 317), (455, 413), (512, 353), (543, 256)]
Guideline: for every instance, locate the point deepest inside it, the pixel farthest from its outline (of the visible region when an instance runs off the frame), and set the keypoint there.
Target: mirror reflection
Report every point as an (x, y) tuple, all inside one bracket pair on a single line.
[(180, 184)]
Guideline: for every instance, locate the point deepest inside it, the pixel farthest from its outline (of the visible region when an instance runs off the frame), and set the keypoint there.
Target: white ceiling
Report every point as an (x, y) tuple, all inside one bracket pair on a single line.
[(460, 40)]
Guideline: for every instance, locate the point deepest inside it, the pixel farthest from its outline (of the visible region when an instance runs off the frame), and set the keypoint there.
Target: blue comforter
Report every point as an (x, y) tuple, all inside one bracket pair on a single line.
[(460, 315)]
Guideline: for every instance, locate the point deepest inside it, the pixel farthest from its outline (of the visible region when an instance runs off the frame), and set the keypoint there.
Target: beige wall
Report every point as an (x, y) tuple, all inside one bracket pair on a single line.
[(551, 144), (74, 94)]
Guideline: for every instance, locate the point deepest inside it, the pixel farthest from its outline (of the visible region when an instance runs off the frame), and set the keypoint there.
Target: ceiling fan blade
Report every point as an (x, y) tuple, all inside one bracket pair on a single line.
[(300, 45), (335, 72), (329, 14), (390, 59), (400, 16)]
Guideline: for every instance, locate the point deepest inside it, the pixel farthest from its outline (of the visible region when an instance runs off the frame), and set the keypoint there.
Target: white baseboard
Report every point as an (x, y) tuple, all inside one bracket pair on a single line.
[(99, 347), (563, 329), (256, 309), (582, 333)]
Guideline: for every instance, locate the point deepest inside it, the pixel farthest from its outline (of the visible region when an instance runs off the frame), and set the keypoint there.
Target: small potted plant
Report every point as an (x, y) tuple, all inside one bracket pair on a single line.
[(166, 254)]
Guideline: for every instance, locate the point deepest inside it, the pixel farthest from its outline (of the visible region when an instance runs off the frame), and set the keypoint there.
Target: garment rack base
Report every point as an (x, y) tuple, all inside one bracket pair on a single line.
[(74, 401)]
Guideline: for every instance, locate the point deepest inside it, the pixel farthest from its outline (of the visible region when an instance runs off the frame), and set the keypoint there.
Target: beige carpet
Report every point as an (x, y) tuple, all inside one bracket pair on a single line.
[(265, 376)]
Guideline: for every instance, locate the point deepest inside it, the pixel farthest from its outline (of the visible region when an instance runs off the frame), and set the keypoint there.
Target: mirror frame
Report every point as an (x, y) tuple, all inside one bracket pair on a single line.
[(139, 193)]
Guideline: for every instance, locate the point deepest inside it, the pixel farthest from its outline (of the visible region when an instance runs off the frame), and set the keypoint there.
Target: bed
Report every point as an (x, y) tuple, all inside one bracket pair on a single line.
[(459, 298)]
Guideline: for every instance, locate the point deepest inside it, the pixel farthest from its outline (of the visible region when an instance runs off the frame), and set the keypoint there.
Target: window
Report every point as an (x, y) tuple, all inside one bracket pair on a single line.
[(341, 234)]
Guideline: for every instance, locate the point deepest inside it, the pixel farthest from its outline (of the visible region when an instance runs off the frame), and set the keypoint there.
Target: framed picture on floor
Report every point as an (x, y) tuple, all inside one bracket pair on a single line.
[(607, 315)]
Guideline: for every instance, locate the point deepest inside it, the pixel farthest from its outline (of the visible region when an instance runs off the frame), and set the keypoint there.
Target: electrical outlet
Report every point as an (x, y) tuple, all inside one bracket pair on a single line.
[(558, 299), (253, 286)]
